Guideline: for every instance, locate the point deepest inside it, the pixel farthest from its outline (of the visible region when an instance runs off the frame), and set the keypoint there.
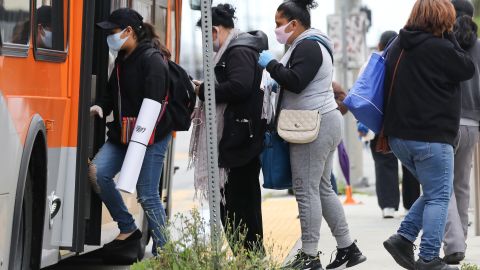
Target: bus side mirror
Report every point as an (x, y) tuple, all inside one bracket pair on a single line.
[(195, 4)]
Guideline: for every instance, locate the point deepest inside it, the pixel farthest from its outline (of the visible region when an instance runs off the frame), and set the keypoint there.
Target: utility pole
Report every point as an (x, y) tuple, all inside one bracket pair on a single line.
[(346, 77)]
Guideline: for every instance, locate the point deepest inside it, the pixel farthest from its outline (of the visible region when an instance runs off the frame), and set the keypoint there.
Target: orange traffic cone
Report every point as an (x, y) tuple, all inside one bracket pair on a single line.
[(349, 197)]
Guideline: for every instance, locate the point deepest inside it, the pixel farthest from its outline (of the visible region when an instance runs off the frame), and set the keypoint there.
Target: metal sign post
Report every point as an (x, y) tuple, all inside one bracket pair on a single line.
[(476, 187), (210, 110)]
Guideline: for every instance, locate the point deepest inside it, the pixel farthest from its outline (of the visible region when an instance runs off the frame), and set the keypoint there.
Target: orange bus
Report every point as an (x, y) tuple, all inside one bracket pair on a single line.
[(53, 64)]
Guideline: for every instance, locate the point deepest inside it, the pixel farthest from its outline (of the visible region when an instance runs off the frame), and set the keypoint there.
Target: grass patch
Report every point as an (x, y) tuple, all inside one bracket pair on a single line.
[(193, 250), (470, 267)]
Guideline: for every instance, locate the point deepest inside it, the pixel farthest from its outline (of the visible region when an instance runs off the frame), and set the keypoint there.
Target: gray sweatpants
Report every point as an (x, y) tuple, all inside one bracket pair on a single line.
[(311, 169), (456, 228)]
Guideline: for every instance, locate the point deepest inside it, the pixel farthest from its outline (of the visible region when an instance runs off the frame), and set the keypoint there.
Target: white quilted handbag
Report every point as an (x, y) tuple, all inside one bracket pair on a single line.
[(299, 126)]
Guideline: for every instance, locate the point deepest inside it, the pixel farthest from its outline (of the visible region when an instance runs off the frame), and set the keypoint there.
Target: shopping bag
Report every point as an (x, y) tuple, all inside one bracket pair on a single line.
[(365, 99), (275, 158)]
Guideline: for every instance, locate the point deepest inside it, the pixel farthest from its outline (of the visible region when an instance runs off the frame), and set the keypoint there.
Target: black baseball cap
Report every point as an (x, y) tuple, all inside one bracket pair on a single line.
[(44, 15), (122, 18), (463, 7)]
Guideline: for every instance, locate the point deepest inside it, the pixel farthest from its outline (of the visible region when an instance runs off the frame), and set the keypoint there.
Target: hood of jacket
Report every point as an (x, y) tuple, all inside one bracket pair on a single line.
[(312, 32), (256, 40), (410, 39)]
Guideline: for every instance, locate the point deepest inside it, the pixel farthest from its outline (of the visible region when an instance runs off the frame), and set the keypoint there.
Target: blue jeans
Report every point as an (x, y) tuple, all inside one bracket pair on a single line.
[(108, 163), (432, 165)]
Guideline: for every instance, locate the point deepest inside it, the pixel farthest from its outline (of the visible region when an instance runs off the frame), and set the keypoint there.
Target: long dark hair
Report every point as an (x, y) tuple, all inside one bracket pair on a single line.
[(147, 33), (465, 30), (298, 10)]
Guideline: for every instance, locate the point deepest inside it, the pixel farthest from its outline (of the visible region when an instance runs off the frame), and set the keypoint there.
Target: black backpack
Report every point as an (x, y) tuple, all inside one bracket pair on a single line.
[(181, 97), (180, 93)]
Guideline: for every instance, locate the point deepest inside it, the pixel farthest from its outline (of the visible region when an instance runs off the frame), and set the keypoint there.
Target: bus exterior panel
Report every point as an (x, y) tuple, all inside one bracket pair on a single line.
[(33, 88)]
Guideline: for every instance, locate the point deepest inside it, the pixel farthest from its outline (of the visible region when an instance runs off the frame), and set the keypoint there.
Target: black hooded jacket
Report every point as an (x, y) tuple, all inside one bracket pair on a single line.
[(239, 76), (425, 103), (142, 75)]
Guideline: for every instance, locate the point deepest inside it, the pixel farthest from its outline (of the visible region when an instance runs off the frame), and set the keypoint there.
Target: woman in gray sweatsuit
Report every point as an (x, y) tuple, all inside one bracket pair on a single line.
[(305, 76), (468, 135)]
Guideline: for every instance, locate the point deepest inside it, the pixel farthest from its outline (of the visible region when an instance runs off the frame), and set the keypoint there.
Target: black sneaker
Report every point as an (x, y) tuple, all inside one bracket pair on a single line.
[(435, 264), (401, 250), (303, 261), (454, 258), (347, 257)]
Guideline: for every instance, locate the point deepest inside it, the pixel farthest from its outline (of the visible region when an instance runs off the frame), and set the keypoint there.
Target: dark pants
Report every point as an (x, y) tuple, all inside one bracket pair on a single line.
[(386, 174), (242, 212)]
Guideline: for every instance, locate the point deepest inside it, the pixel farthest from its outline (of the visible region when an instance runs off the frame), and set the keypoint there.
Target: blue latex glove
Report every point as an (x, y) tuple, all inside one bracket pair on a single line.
[(362, 129), (265, 58)]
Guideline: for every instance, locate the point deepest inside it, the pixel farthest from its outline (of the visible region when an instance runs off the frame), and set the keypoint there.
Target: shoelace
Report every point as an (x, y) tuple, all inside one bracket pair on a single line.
[(331, 255)]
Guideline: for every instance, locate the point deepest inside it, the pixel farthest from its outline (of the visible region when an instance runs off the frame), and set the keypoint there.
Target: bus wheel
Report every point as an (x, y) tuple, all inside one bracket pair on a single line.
[(24, 248)]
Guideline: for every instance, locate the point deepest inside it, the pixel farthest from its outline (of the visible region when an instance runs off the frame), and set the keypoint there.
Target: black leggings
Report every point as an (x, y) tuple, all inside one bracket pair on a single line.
[(243, 207)]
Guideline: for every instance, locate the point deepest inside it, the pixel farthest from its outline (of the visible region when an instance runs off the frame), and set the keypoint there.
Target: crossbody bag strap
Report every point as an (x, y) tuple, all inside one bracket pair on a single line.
[(390, 92), (117, 68)]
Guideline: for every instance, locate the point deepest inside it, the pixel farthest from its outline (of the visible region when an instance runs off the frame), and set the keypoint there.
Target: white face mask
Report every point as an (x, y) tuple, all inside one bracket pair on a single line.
[(282, 36), (114, 41), (216, 42), (47, 39)]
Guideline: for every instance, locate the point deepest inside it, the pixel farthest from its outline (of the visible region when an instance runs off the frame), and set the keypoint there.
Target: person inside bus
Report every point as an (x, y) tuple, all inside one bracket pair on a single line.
[(139, 74), (305, 76), (240, 126), (44, 27)]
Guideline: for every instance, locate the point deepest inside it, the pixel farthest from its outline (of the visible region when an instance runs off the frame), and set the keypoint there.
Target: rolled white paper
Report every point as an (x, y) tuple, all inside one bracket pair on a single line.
[(132, 164)]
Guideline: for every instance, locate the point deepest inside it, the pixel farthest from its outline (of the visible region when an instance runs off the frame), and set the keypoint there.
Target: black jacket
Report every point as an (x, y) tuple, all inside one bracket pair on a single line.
[(425, 103), (142, 75), (239, 76)]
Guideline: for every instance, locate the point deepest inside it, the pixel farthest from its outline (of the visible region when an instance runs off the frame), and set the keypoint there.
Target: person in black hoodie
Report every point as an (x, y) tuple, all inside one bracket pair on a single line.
[(424, 68), (140, 73), (240, 126), (457, 222)]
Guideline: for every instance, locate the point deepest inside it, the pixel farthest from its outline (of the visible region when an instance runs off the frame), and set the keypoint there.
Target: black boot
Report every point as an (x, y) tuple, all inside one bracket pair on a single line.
[(347, 257), (304, 261), (401, 250), (435, 264)]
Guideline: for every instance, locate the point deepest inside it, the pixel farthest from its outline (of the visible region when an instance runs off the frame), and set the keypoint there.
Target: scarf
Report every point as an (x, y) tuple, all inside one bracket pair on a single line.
[(198, 141)]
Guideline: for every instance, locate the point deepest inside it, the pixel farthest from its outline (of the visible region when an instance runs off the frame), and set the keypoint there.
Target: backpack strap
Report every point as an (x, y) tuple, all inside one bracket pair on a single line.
[(323, 42)]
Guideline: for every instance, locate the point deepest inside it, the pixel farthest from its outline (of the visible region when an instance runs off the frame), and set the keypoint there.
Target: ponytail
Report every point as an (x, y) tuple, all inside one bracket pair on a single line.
[(147, 33)]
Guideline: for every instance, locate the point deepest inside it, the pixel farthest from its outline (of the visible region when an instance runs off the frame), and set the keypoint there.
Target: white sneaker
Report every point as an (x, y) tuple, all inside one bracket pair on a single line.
[(388, 212)]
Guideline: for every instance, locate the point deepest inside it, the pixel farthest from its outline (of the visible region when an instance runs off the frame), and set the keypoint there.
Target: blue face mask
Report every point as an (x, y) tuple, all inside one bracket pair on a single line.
[(114, 41), (47, 39)]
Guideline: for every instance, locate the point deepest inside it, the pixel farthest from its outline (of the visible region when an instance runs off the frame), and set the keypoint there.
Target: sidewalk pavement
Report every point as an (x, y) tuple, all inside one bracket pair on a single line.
[(366, 226)]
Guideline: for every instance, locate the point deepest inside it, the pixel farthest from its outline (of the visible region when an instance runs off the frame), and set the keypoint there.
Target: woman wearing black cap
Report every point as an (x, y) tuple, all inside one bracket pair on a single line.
[(140, 77)]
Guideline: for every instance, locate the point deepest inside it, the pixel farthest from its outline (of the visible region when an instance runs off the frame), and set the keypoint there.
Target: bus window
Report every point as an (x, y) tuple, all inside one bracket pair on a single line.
[(51, 24), (14, 22)]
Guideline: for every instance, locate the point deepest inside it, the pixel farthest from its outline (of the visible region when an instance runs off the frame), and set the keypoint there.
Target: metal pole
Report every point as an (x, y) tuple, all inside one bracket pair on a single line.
[(476, 168), (345, 76), (210, 110)]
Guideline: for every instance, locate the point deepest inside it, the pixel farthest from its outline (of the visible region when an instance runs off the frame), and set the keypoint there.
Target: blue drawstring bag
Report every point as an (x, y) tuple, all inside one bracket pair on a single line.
[(365, 99), (275, 158)]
